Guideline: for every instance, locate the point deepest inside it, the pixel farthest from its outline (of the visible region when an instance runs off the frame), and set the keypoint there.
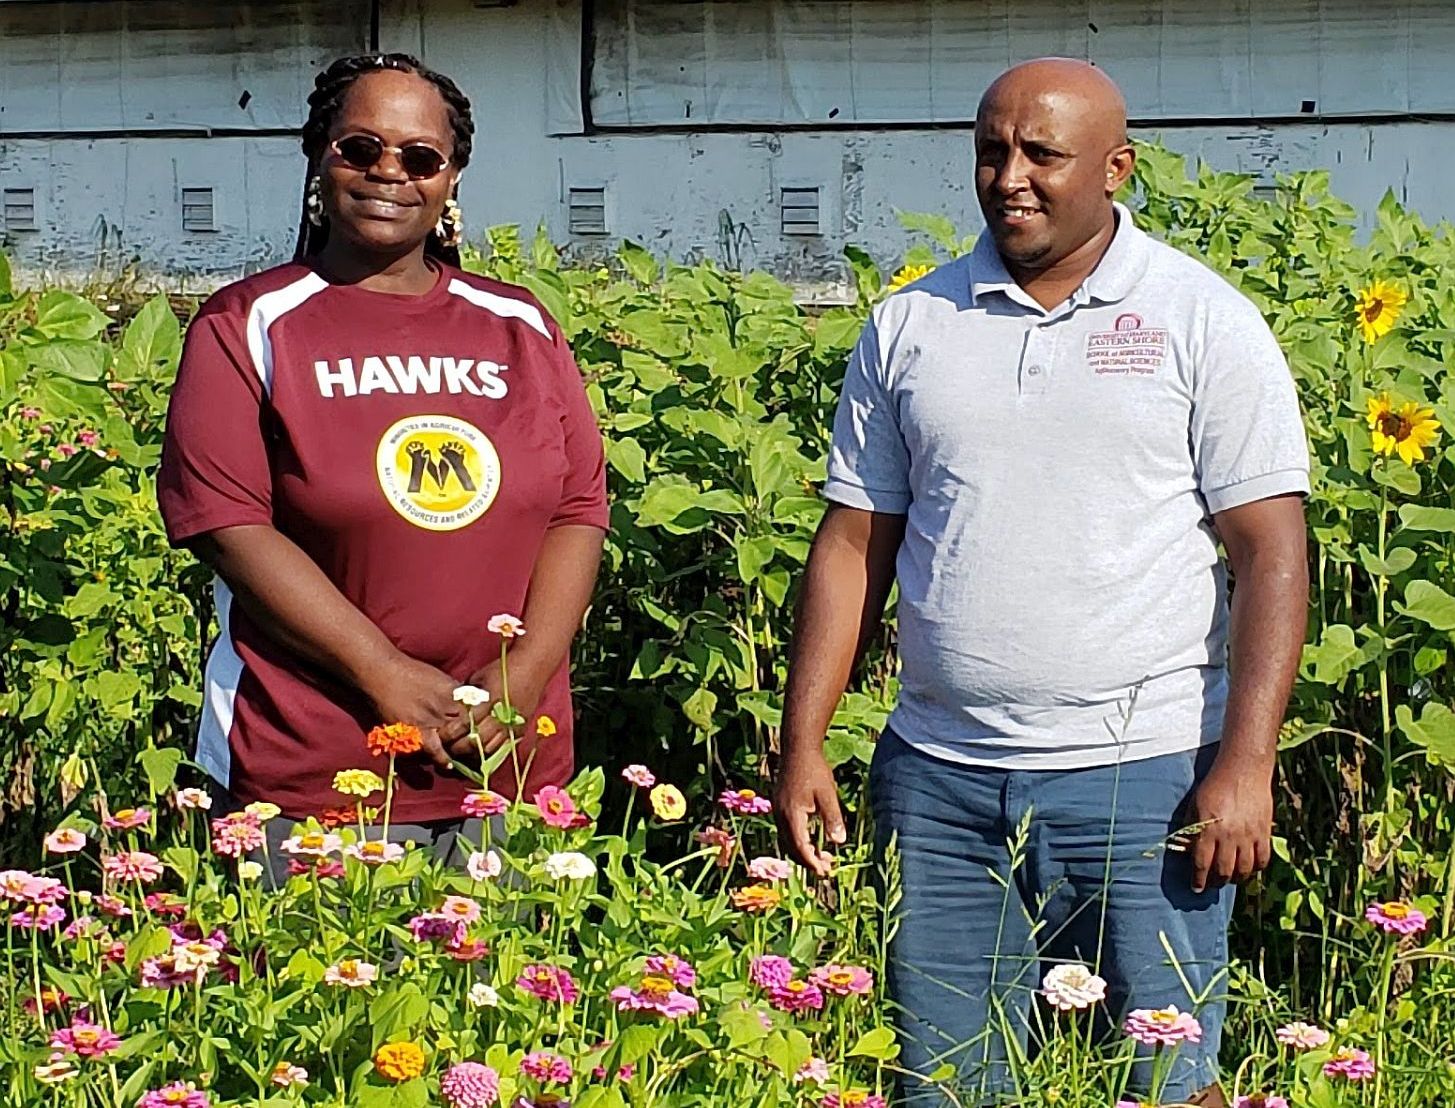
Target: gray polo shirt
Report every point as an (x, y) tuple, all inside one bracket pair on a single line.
[(1058, 470)]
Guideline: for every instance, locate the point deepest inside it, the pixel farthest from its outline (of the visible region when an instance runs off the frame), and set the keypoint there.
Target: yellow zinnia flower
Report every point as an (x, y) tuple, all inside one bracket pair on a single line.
[(1405, 432), (357, 782), (668, 802), (545, 726), (1377, 308), (399, 1061), (908, 275)]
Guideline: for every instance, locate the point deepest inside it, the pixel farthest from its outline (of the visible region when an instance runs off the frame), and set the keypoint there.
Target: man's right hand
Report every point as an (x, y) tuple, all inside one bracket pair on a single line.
[(806, 790), (406, 690)]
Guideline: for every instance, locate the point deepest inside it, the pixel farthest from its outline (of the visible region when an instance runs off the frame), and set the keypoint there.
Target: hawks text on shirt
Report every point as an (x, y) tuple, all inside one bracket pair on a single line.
[(410, 374)]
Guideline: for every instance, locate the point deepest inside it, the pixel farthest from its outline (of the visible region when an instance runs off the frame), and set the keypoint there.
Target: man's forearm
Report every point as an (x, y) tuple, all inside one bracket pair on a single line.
[(847, 581), (1265, 640)]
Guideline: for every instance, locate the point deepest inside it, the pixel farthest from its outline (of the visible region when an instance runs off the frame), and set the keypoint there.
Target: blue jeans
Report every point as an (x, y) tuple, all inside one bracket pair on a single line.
[(1090, 881)]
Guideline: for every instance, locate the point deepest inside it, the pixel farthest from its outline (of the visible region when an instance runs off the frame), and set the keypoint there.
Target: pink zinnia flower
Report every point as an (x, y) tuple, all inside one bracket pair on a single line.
[(640, 776), (679, 972), (460, 908), (85, 1039), (721, 838), (548, 983), (325, 869), (1260, 1100), (556, 807), (14, 883), (770, 971), (431, 926), (854, 1098), (312, 844), (64, 840), (1396, 917), (843, 980), (42, 890), (168, 905), (66, 450), (545, 1066), (654, 993), (112, 906), (815, 1070), (1302, 1036), (506, 626), (176, 1095), (39, 918), (467, 950), (1163, 1026), (1350, 1062), (745, 802), (29, 413), (236, 834), (470, 1085), (796, 996), (127, 819), (482, 804), (770, 869), (87, 438), (375, 852)]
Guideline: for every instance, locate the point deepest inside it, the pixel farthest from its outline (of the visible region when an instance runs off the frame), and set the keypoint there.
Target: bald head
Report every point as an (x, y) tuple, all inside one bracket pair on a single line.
[(1050, 152)]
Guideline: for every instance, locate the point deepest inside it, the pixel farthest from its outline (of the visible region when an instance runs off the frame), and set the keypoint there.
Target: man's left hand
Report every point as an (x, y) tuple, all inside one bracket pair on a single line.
[(525, 695), (1234, 811)]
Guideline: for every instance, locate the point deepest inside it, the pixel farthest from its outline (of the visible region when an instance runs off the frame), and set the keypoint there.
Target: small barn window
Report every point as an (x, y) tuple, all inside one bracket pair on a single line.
[(197, 210), (20, 210), (587, 211), (798, 208)]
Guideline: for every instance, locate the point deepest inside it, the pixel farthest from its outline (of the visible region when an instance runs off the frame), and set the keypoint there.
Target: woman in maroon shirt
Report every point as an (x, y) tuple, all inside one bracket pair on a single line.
[(377, 453)]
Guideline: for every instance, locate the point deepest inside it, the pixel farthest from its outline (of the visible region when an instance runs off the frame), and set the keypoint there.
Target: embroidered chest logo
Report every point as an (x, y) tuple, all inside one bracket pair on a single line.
[(1129, 348), (438, 472)]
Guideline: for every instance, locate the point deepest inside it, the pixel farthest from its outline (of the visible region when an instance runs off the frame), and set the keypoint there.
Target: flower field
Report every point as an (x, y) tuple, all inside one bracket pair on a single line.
[(638, 938)]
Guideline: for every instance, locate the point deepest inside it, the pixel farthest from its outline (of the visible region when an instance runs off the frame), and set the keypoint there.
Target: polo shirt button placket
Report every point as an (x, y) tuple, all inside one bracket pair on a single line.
[(1036, 362)]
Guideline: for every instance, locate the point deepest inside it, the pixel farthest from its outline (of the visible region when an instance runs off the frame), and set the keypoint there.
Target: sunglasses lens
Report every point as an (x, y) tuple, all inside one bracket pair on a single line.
[(421, 161), (360, 151)]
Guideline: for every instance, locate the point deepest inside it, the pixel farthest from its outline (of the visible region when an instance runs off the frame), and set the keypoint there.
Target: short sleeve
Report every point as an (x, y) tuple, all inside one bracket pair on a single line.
[(583, 493), (215, 470), (868, 459), (1247, 434)]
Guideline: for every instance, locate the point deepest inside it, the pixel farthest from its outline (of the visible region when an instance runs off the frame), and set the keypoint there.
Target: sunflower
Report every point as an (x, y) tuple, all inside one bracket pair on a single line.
[(1405, 432), (1377, 307), (908, 275)]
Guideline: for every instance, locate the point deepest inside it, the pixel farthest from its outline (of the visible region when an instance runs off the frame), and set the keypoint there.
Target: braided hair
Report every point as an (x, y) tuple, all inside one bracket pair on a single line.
[(324, 103)]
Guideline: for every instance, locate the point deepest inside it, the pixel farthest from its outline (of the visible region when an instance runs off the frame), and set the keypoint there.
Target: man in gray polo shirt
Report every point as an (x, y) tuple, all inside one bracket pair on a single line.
[(1045, 441)]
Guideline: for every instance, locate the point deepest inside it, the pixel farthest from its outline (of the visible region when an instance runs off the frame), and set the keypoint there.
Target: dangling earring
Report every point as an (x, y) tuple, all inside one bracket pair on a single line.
[(313, 201), (450, 229)]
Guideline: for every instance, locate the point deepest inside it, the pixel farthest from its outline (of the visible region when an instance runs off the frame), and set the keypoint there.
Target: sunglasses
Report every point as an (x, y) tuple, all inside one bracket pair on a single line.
[(418, 160)]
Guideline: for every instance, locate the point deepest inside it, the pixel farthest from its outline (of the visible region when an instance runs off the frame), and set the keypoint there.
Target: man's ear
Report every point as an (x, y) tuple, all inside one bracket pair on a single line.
[(1119, 165)]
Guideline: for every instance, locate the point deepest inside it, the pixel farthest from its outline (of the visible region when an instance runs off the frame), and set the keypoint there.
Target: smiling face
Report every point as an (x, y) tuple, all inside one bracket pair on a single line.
[(380, 210), (1050, 151)]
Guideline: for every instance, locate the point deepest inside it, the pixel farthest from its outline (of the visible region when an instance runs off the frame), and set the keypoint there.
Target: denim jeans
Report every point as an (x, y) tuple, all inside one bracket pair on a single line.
[(1004, 873)]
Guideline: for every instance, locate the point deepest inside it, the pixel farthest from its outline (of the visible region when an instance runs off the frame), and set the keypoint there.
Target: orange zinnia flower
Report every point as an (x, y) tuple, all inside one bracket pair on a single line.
[(756, 898), (394, 738), (399, 1061)]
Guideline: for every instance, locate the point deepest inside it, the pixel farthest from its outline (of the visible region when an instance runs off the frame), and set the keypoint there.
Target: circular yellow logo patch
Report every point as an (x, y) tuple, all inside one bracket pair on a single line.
[(438, 472)]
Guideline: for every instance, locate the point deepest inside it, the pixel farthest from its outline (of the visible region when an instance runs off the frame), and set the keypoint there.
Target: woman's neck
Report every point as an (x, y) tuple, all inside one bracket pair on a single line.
[(407, 274)]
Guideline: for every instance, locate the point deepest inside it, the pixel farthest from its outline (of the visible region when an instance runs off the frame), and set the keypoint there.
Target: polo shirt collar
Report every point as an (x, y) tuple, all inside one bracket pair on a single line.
[(1113, 279)]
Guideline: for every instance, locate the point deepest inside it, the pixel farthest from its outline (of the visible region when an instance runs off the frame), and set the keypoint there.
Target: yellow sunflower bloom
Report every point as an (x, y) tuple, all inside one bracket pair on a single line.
[(1406, 432), (399, 1061), (908, 275), (1377, 308)]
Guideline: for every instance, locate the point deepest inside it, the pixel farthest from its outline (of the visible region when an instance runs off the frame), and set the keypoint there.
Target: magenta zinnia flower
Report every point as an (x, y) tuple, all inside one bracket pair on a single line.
[(548, 983), (38, 918), (132, 865), (85, 1039), (670, 966), (178, 1094), (556, 807), (127, 819), (1350, 1062), (1396, 917), (654, 993), (431, 926), (796, 996), (843, 980), (1260, 1100), (545, 1066), (745, 802), (853, 1098), (1163, 1026), (770, 971), (470, 1085), (31, 888)]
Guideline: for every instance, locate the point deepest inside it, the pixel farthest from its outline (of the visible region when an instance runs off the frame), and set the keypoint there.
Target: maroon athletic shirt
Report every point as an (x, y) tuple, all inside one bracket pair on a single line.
[(417, 448)]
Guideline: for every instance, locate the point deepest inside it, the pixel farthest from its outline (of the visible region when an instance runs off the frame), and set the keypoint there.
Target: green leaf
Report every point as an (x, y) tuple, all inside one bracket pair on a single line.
[(627, 457), (63, 315), (1334, 656), (1398, 477), (666, 498), (7, 288), (160, 763), (600, 1096), (1395, 562), (938, 228), (1434, 731), (699, 708), (1427, 602), (113, 689), (78, 360), (638, 262), (878, 1044), (742, 1027), (636, 1042), (151, 344), (397, 1011), (1417, 517)]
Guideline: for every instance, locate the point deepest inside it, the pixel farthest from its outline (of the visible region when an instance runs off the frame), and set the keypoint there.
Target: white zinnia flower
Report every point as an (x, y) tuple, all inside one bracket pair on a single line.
[(570, 864), (249, 871), (484, 866), (352, 973), (472, 696), (1071, 987), (483, 996)]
